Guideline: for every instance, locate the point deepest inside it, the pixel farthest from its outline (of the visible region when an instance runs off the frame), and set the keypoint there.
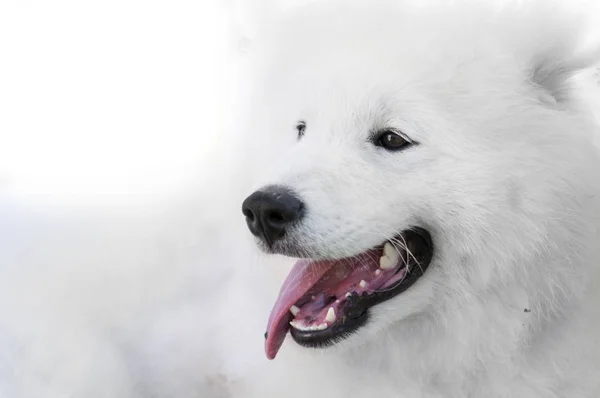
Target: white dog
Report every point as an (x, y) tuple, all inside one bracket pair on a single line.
[(437, 175), (431, 163)]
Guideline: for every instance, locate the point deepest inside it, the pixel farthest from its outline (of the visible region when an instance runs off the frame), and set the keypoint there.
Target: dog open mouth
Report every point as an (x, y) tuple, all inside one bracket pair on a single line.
[(322, 301)]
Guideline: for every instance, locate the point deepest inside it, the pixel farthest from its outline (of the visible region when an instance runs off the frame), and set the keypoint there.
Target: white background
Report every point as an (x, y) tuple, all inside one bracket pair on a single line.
[(106, 100)]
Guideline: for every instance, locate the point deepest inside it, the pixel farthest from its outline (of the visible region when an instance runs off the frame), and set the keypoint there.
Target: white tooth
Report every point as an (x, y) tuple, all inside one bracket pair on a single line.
[(386, 263), (302, 327), (322, 326), (389, 250), (294, 310), (392, 255), (395, 256), (378, 272), (348, 295), (330, 315), (363, 284)]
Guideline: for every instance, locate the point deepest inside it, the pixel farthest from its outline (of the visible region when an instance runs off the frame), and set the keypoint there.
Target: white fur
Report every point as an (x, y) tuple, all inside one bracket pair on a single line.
[(505, 179)]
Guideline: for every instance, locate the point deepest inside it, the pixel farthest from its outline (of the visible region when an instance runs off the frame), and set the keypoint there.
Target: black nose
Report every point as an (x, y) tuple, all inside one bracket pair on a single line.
[(270, 211)]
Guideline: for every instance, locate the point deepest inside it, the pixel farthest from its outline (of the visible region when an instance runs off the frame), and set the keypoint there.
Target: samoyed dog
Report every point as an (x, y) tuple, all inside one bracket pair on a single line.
[(432, 166), (408, 206)]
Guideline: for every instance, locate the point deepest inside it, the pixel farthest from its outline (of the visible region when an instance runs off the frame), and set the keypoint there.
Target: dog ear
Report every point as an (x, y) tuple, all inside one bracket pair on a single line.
[(561, 44), (552, 75)]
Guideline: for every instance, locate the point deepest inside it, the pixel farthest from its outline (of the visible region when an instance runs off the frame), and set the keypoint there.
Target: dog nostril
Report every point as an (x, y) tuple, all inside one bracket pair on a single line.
[(276, 217), (249, 214)]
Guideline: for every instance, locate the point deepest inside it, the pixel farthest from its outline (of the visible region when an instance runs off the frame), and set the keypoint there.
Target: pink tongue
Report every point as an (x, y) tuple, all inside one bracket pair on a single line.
[(303, 276)]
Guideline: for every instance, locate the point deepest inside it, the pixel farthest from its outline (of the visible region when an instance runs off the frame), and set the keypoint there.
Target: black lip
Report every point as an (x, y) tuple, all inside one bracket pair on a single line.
[(356, 308)]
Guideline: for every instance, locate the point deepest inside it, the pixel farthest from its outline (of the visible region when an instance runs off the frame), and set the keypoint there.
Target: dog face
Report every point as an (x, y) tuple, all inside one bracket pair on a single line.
[(378, 122)]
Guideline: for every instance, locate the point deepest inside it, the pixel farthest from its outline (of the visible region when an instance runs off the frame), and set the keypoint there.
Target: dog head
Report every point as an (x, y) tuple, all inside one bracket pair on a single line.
[(416, 158)]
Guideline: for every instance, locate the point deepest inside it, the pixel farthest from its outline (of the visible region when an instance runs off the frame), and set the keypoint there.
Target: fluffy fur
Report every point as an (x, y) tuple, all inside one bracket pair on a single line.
[(505, 179)]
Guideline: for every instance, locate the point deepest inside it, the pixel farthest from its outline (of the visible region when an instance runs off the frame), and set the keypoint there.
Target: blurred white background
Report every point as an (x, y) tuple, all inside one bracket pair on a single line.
[(106, 101), (107, 105)]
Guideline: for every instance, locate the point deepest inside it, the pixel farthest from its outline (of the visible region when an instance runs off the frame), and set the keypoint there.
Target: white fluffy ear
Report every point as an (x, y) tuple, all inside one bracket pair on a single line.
[(552, 75), (562, 44)]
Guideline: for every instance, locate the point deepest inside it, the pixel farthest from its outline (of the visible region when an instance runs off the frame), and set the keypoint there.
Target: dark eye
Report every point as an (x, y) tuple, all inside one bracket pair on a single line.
[(392, 141), (301, 127)]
